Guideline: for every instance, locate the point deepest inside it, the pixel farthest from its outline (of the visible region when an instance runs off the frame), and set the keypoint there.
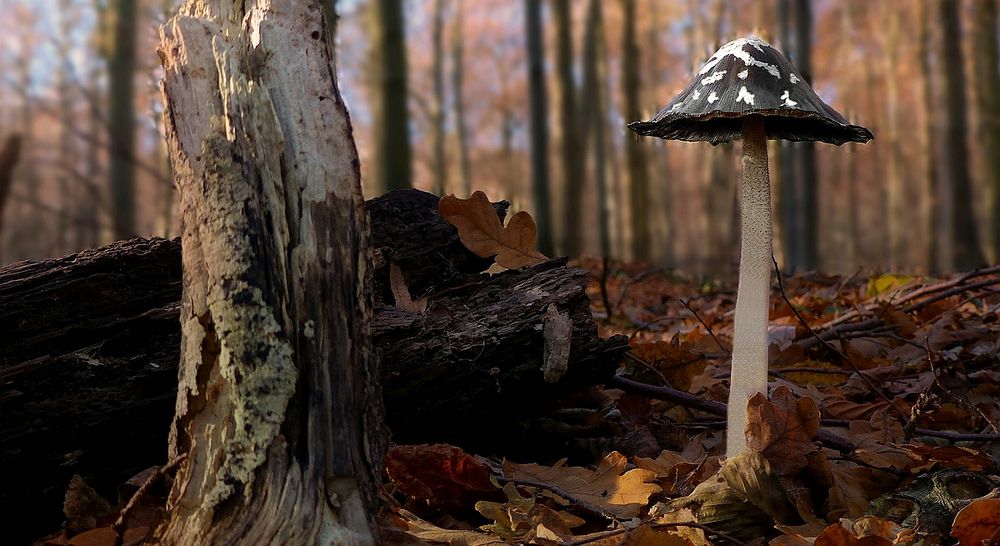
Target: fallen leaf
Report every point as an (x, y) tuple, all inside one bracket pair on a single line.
[(401, 293), (102, 536), (440, 475), (609, 487), (781, 429), (978, 523), (409, 524), (481, 232)]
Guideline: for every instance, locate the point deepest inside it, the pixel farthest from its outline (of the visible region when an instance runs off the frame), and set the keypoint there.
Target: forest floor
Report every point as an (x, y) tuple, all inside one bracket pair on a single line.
[(881, 428), (899, 376)]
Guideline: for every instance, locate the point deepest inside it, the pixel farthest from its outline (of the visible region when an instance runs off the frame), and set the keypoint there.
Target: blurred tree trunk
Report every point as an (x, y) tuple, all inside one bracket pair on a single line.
[(539, 123), (985, 57), (593, 103), (806, 177), (121, 116), (9, 156), (635, 150), (438, 104), (458, 99), (27, 236), (720, 194), (930, 207), (279, 408), (789, 229), (895, 190), (573, 132), (659, 158), (67, 159), (965, 250), (389, 108)]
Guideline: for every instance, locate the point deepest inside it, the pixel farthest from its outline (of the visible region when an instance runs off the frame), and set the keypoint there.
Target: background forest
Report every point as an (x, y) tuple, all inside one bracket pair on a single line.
[(528, 100)]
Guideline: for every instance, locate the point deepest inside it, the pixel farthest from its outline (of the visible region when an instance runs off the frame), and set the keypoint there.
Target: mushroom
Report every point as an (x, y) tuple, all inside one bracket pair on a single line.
[(749, 90)]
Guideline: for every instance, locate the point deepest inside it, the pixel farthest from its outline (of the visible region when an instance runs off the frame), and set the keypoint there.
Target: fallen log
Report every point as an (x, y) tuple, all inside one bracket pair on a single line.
[(89, 348)]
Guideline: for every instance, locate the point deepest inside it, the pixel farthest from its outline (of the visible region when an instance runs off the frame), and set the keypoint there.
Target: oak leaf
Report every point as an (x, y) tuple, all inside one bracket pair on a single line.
[(481, 232), (440, 475), (610, 487), (978, 523)]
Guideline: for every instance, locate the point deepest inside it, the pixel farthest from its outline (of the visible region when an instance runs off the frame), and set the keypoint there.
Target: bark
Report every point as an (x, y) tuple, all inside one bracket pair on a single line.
[(9, 155), (635, 150), (595, 100), (279, 402), (88, 374), (458, 98), (965, 251), (438, 104), (539, 123), (805, 175), (987, 90), (392, 163), (895, 190), (930, 207), (789, 226), (572, 141), (121, 116)]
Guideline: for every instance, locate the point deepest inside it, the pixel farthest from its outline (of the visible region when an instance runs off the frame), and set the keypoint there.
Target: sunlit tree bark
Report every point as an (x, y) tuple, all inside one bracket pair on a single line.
[(278, 415)]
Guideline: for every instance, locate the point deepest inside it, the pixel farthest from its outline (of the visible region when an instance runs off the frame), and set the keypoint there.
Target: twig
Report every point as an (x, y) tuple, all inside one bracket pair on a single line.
[(961, 400), (709, 406), (830, 346), (119, 525), (707, 327), (709, 532), (576, 501)]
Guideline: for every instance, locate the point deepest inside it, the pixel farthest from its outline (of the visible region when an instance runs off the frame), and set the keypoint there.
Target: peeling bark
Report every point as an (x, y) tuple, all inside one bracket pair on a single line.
[(277, 407)]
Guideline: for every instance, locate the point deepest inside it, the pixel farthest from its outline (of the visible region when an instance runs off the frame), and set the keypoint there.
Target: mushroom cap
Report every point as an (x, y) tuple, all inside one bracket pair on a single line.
[(743, 78)]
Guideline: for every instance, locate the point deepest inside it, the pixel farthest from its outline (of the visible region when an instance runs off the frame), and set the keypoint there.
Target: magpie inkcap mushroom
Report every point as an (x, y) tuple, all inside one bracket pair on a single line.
[(748, 90)]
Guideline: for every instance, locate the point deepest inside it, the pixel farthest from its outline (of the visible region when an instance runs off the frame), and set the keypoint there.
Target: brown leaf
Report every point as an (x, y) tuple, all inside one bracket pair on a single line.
[(781, 429), (610, 487), (978, 523), (481, 232), (102, 536), (401, 292), (441, 475)]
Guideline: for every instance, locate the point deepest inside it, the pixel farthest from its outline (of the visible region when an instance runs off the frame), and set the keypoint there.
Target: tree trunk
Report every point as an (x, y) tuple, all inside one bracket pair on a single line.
[(593, 98), (987, 90), (965, 250), (534, 32), (570, 129), (9, 155), (930, 207), (638, 173), (895, 191), (438, 105), (278, 405), (458, 98), (390, 111), (806, 177), (789, 228), (121, 117)]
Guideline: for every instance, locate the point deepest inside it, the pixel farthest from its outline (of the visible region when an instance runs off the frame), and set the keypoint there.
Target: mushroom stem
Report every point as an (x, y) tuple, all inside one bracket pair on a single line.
[(749, 366)]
